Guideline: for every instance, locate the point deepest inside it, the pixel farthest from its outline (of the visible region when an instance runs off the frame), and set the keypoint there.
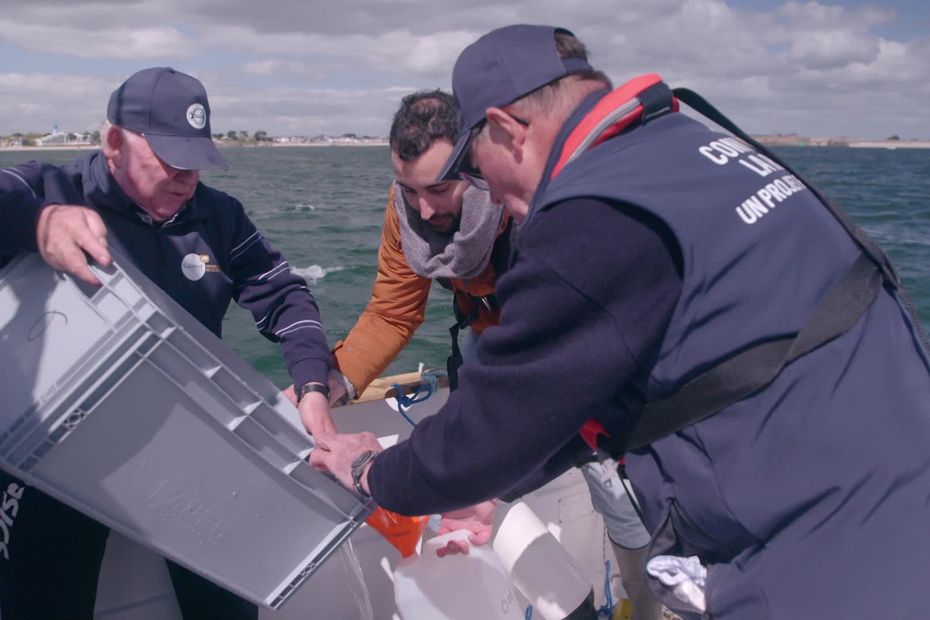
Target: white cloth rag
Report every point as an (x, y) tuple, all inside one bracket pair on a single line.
[(684, 576)]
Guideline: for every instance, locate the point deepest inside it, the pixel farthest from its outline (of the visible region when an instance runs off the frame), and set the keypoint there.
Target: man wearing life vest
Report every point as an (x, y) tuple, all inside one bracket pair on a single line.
[(448, 231), (733, 332)]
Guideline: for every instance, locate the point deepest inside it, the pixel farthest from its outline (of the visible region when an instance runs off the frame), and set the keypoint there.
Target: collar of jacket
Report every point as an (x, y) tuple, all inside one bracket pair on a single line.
[(602, 115), (102, 191), (586, 105)]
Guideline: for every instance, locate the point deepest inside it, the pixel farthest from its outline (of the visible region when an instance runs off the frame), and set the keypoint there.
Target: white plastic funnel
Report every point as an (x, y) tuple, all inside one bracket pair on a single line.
[(538, 565)]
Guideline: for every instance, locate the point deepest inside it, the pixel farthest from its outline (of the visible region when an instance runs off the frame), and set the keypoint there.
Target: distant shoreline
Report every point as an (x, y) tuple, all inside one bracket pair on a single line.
[(76, 147), (293, 144), (93, 147), (801, 141), (766, 140), (890, 144)]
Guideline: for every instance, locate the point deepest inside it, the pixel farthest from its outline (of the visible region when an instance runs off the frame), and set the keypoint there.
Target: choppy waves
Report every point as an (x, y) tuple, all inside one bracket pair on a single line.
[(314, 273)]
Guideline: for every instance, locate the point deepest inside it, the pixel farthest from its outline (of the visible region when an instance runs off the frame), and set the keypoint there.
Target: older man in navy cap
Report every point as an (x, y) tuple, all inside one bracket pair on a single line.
[(198, 245), (681, 295)]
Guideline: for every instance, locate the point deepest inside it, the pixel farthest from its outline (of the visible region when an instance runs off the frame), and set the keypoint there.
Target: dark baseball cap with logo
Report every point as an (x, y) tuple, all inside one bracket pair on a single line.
[(502, 66), (170, 109)]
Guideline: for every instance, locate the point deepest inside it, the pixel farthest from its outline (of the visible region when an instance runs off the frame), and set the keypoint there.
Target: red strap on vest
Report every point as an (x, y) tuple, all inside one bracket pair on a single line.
[(589, 432), (604, 107)]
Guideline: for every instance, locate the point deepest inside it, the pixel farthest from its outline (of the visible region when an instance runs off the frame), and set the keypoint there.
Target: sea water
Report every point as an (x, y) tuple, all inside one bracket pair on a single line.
[(324, 208)]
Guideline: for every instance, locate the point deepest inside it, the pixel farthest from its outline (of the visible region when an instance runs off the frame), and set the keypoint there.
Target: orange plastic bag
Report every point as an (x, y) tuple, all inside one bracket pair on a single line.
[(402, 532)]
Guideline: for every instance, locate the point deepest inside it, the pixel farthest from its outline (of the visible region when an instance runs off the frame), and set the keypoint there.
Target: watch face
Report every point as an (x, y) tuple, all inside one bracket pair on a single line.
[(361, 459)]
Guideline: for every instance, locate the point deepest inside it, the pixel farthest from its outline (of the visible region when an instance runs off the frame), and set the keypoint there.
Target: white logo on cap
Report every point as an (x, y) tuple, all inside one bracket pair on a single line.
[(197, 116), (193, 267)]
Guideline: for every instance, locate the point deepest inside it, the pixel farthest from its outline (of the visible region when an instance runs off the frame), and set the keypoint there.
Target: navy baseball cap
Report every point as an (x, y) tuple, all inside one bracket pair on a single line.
[(496, 70), (170, 109)]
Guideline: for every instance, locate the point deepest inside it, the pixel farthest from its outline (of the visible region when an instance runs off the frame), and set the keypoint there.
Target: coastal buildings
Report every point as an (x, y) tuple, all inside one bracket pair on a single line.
[(348, 139), (61, 138), (791, 139), (68, 139), (84, 139)]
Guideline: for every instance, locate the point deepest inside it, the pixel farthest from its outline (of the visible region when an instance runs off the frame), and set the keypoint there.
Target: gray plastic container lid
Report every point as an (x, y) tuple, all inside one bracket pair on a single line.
[(120, 404)]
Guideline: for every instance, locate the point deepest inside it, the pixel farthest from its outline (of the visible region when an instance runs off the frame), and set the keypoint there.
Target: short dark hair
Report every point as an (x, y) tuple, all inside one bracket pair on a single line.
[(570, 46), (423, 117)]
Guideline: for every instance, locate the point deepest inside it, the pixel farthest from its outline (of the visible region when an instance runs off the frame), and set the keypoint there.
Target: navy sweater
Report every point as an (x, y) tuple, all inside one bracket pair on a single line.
[(576, 323), (19, 214), (212, 227)]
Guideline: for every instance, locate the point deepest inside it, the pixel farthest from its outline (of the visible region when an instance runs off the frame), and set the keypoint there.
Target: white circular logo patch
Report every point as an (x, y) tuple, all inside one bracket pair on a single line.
[(193, 267), (197, 116)]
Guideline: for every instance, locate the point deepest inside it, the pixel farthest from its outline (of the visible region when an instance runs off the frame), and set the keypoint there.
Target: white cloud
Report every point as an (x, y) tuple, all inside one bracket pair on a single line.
[(139, 43), (828, 50), (825, 15), (36, 102), (808, 67), (306, 111), (283, 68)]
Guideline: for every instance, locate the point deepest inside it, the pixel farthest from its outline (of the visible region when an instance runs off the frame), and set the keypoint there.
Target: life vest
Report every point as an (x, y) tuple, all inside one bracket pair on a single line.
[(749, 367), (474, 303)]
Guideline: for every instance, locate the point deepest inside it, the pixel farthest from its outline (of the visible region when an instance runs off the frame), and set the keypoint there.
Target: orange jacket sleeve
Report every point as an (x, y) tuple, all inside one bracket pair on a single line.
[(394, 312)]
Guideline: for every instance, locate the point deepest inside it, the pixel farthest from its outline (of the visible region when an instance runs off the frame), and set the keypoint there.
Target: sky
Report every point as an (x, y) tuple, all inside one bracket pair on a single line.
[(302, 67)]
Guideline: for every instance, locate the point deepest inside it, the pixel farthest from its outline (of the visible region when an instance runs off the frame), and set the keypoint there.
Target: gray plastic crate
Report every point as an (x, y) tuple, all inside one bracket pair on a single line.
[(117, 402)]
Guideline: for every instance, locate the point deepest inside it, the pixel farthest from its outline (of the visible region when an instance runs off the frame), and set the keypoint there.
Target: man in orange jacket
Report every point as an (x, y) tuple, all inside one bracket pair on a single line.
[(446, 231), (451, 232)]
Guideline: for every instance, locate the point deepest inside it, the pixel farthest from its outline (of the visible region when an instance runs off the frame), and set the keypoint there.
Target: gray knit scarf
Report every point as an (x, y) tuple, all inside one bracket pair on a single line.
[(463, 254)]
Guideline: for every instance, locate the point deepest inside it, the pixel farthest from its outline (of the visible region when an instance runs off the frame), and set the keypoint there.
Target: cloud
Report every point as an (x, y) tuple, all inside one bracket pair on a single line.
[(829, 50), (141, 43), (814, 15), (94, 30), (284, 68), (386, 53), (806, 67), (36, 102), (306, 111), (821, 36)]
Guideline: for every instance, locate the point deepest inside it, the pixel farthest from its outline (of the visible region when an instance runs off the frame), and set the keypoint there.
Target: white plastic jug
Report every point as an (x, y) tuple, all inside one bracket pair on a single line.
[(455, 587)]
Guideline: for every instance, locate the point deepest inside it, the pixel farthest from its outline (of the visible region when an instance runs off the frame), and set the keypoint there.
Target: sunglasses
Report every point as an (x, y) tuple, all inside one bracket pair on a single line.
[(471, 173)]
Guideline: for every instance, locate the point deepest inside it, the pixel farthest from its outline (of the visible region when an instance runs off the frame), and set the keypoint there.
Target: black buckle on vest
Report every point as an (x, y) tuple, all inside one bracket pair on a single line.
[(751, 370), (656, 100)]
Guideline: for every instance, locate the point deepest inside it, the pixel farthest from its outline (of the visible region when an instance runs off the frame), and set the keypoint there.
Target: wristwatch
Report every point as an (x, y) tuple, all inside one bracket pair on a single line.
[(313, 386), (358, 468)]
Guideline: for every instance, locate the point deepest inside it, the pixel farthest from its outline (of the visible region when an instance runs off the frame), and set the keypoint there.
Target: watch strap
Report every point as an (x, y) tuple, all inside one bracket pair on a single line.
[(313, 386)]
